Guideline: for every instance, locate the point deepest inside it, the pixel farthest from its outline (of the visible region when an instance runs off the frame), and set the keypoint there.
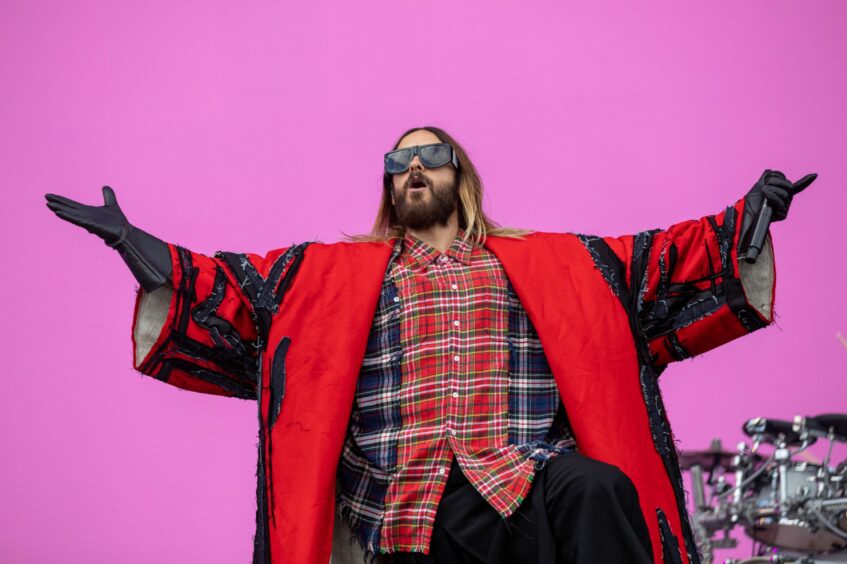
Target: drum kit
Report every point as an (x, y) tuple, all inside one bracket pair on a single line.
[(792, 506)]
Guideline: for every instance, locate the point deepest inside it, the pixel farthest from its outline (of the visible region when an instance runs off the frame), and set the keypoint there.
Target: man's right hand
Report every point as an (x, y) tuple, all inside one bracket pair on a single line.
[(107, 221), (148, 258)]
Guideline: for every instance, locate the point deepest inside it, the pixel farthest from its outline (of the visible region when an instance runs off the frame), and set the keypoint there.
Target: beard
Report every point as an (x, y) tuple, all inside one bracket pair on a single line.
[(414, 212)]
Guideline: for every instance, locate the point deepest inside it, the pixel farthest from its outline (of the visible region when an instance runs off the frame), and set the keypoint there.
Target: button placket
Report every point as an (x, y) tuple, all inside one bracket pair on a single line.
[(445, 279), (459, 275), (453, 409)]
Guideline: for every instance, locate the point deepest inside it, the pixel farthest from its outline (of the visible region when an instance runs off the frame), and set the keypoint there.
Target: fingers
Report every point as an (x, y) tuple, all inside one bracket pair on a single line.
[(67, 209), (783, 183), (62, 206), (777, 199), (779, 191), (55, 198), (771, 175), (72, 215), (109, 196), (64, 216), (804, 182)]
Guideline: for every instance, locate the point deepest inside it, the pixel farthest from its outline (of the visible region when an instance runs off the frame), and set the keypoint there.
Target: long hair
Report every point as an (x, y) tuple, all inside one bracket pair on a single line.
[(472, 218)]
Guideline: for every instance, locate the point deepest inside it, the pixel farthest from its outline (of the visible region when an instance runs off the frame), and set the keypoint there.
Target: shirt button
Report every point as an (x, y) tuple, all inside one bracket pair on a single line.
[(456, 358), (454, 286), (455, 394), (456, 323), (396, 298), (442, 471)]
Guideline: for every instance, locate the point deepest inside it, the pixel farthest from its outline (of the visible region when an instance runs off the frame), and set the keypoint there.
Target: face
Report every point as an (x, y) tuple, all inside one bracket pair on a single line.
[(423, 197)]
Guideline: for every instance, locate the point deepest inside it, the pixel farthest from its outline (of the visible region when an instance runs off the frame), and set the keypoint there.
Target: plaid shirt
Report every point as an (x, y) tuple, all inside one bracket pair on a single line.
[(453, 367)]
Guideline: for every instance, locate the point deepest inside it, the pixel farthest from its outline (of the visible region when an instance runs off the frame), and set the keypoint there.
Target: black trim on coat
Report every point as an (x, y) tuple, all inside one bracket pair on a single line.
[(185, 292), (222, 332), (243, 368), (262, 538), (278, 379), (674, 346), (670, 546), (262, 293), (236, 388), (277, 392)]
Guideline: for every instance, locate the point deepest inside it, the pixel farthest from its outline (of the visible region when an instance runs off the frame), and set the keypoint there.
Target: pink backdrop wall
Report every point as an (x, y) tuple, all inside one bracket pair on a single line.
[(248, 126)]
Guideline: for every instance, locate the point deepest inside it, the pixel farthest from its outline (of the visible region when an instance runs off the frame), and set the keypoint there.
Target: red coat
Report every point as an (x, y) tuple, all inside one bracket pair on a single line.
[(610, 313)]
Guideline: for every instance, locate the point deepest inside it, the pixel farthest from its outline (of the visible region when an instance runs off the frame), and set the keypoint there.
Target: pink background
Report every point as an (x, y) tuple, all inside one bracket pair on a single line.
[(250, 126)]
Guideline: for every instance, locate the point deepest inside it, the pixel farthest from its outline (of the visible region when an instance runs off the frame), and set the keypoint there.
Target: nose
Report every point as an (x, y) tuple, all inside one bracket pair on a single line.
[(415, 163)]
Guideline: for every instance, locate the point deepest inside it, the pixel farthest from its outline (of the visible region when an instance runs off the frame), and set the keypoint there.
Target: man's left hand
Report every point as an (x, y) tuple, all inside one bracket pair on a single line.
[(778, 191)]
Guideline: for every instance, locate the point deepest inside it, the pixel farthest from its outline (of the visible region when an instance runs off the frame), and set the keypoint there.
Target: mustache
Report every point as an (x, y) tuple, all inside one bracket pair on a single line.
[(417, 177)]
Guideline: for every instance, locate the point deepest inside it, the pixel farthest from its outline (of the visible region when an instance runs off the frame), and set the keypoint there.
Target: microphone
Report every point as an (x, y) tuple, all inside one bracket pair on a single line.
[(761, 229)]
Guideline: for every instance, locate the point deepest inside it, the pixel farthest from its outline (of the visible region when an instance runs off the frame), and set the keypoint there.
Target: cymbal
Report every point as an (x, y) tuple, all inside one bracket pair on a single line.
[(711, 458)]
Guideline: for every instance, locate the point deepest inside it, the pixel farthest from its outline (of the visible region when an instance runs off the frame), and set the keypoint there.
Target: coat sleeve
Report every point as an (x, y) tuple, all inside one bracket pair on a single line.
[(689, 292), (197, 331)]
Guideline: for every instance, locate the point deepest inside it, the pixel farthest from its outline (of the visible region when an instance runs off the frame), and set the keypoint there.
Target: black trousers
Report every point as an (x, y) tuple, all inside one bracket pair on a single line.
[(578, 511)]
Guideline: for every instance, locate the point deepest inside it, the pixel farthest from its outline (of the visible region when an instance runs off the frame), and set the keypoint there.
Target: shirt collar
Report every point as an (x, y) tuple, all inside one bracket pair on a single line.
[(424, 254)]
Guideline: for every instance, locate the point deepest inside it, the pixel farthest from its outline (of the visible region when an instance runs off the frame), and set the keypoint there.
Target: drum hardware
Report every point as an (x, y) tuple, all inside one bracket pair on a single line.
[(794, 504), (774, 515), (832, 427), (815, 508), (777, 430)]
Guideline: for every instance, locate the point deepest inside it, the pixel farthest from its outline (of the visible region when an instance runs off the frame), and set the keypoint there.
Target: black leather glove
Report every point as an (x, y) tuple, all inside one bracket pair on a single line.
[(148, 258), (778, 191)]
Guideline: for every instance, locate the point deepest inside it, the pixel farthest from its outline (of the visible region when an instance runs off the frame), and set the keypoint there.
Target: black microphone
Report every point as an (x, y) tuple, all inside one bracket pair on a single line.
[(761, 230)]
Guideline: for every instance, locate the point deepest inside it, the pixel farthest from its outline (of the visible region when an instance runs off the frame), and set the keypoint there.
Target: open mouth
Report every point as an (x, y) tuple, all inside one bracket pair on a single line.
[(417, 183)]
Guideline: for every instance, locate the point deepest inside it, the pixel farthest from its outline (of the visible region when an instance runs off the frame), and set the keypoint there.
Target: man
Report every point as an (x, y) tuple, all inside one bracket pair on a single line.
[(458, 392)]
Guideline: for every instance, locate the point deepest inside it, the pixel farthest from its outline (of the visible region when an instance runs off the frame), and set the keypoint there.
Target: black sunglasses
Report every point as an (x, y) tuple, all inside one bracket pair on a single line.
[(432, 156)]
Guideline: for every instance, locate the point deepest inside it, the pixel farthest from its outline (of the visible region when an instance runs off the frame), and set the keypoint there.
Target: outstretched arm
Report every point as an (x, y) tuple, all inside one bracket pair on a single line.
[(191, 327), (690, 286)]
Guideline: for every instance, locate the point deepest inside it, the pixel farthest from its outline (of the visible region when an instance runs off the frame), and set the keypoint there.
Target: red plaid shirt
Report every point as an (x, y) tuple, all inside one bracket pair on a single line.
[(454, 393)]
